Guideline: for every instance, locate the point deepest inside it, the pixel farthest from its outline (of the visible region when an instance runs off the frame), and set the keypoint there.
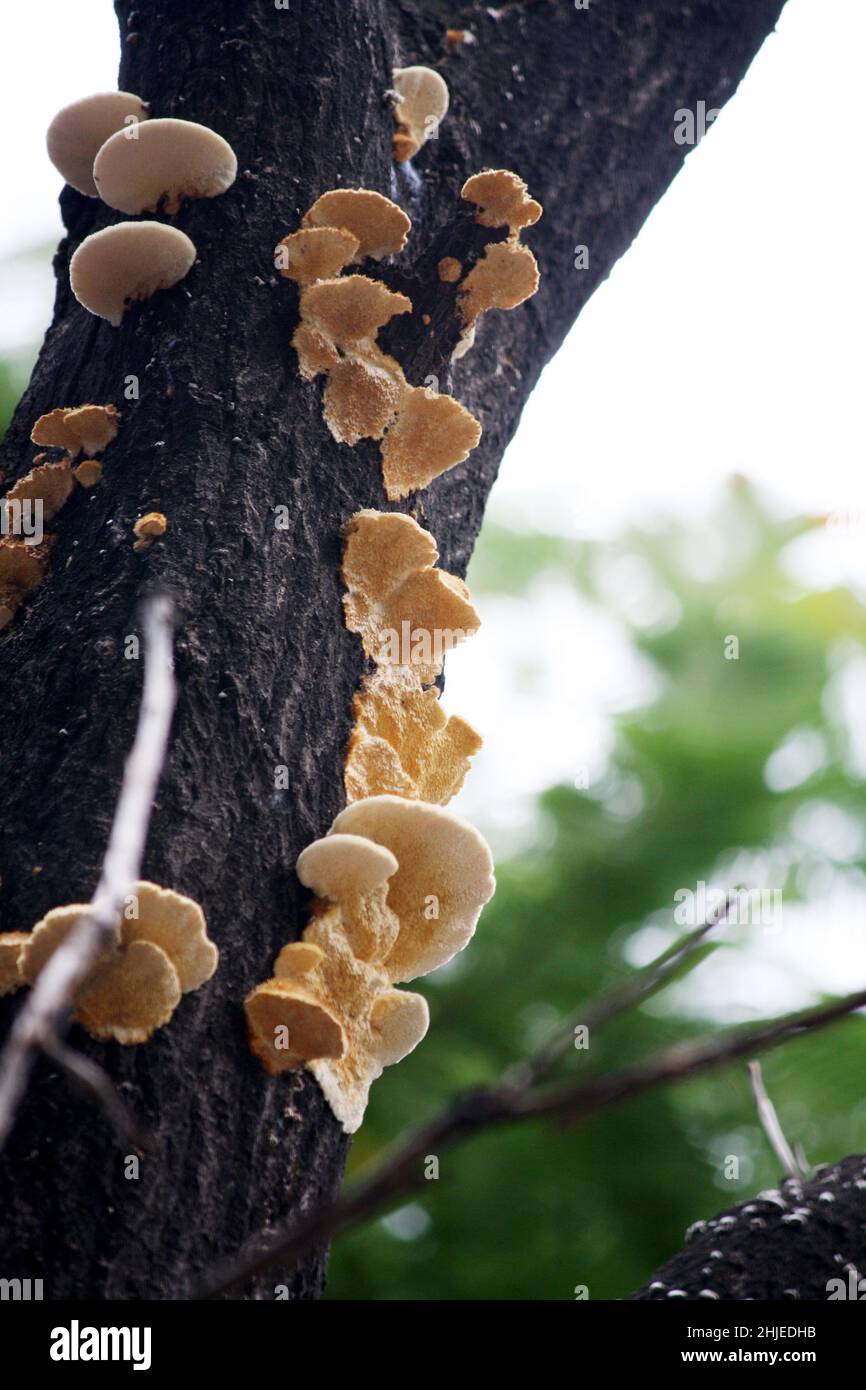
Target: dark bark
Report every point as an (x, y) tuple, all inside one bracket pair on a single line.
[(582, 105), (787, 1244)]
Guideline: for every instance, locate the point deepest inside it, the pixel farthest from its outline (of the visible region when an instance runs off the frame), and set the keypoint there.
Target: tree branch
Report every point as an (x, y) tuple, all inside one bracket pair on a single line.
[(402, 1169), (37, 1026)]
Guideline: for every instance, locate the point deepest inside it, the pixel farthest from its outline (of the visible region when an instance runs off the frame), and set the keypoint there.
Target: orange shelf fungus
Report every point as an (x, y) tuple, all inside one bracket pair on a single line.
[(443, 879), (78, 132), (403, 742), (134, 986), (88, 472), (408, 614), (36, 497), (147, 528), (48, 484), (405, 610), (449, 270), (430, 435), (131, 261), (507, 274), (73, 428), (22, 569), (502, 200), (399, 888), (351, 311), (315, 253), (505, 277), (419, 111), (380, 227), (160, 163), (366, 394), (11, 943), (361, 399)]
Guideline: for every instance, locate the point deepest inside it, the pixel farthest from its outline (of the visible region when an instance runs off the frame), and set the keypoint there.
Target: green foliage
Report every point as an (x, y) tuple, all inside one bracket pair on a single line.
[(532, 1211), (13, 379)]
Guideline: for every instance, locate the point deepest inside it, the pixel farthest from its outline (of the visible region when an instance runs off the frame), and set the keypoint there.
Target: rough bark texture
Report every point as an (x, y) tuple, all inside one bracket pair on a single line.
[(784, 1244), (581, 103)]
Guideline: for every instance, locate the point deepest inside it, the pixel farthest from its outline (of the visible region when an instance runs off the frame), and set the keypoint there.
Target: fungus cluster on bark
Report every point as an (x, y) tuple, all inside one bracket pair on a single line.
[(107, 146), (507, 274), (399, 881), (43, 490), (331, 1004), (408, 613), (399, 888), (161, 951), (367, 396)]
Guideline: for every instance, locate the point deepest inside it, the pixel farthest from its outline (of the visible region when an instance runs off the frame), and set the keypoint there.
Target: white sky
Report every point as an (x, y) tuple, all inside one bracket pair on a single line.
[(728, 339)]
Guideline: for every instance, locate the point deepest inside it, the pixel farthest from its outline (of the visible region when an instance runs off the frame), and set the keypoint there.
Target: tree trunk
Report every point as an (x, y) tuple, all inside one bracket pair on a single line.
[(581, 103), (787, 1244)]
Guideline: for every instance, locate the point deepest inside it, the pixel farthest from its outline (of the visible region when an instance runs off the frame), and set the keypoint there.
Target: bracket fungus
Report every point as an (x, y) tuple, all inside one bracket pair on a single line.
[(505, 277), (22, 569), (11, 943), (422, 105), (431, 434), (315, 253), (502, 199), (449, 270), (48, 484), (379, 226), (507, 274), (351, 310), (162, 163), (130, 261), (331, 1004), (443, 879), (367, 395), (405, 610), (147, 528), (134, 986), (402, 741), (73, 428), (88, 472), (78, 132), (408, 614)]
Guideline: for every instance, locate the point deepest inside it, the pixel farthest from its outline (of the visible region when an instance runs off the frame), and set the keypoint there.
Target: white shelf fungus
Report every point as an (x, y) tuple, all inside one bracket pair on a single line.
[(423, 103), (113, 268), (78, 132), (167, 161)]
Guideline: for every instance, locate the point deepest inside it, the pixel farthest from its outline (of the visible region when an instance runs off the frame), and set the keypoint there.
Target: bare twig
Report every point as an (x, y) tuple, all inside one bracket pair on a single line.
[(772, 1127), (598, 1012), (402, 1169), (39, 1022), (88, 1077)]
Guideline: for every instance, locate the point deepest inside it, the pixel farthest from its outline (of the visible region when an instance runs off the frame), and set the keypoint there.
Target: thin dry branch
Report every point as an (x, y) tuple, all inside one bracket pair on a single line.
[(91, 1079), (402, 1170), (40, 1021), (617, 1001)]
